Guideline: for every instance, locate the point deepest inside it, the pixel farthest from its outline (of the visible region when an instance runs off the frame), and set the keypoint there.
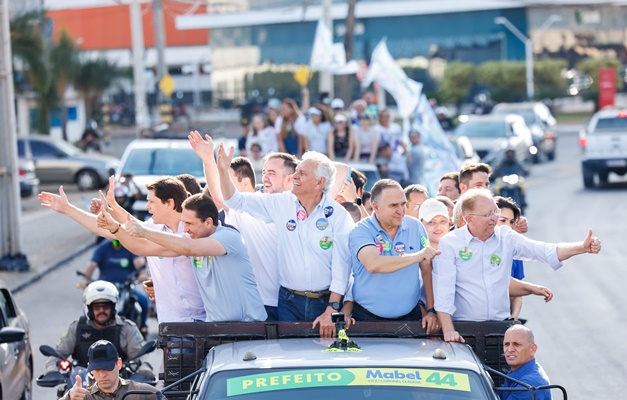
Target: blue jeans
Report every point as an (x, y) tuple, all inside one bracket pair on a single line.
[(293, 307), (273, 313), (361, 314)]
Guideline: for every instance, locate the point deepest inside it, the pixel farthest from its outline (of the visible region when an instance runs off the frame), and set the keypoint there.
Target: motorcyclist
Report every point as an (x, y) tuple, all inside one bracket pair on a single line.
[(99, 322), (509, 165)]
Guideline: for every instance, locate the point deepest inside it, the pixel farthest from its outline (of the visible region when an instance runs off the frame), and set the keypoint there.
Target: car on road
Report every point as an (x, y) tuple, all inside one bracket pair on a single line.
[(541, 123), (145, 160), (29, 184), (57, 161), (16, 355), (604, 146), (491, 135)]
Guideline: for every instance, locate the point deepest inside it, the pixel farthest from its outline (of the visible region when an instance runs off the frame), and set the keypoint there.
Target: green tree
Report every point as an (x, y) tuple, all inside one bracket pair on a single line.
[(93, 78), (591, 66), (64, 66), (504, 79), (456, 82), (548, 78)]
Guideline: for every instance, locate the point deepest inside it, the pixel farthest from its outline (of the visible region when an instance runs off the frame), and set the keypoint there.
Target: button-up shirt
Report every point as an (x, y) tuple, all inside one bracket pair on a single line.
[(471, 277), (177, 296), (387, 295), (313, 249)]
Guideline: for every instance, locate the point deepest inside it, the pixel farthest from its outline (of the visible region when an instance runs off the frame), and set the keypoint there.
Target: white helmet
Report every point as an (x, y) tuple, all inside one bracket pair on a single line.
[(99, 291)]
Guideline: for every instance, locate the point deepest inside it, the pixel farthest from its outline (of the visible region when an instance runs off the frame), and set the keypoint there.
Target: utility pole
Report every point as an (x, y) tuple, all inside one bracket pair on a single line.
[(157, 9), (142, 120), (325, 82), (349, 44), (11, 257)]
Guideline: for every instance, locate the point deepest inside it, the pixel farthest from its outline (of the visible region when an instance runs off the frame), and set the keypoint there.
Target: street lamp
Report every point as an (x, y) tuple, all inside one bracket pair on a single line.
[(528, 47)]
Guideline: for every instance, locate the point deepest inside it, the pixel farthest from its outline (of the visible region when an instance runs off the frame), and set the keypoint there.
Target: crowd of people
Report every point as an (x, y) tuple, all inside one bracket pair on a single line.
[(359, 132), (313, 242)]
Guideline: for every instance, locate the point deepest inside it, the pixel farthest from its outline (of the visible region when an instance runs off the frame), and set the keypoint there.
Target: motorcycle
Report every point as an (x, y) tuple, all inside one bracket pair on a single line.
[(128, 305), (512, 186), (69, 369)]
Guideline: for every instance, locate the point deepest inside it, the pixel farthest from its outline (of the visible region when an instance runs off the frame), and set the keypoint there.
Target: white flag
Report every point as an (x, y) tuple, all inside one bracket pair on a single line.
[(329, 57), (384, 70)]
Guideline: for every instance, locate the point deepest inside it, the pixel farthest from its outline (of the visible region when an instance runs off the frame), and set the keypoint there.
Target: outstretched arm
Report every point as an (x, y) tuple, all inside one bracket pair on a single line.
[(204, 149), (589, 245), (224, 163), (519, 288)]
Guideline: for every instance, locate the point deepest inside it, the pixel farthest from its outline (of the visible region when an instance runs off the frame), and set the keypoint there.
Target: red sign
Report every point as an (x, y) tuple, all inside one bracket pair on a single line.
[(607, 87)]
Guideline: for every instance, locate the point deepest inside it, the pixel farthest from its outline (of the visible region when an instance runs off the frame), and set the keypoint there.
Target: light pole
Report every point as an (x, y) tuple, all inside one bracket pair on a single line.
[(528, 47)]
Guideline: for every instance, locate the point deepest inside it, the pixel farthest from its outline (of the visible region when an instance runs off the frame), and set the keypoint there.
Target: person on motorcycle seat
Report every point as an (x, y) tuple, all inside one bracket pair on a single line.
[(99, 322), (509, 165), (115, 264)]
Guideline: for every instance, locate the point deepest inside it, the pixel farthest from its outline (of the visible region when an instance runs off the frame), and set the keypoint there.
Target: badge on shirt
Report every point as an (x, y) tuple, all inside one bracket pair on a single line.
[(326, 242), (198, 262), (301, 215), (495, 260), (399, 247), (322, 224), (379, 247), (124, 262), (387, 246), (291, 225), (465, 254), (424, 241), (328, 211)]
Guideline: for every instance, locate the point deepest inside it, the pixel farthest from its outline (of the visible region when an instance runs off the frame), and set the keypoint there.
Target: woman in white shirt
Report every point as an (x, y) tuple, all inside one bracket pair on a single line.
[(317, 130), (262, 134)]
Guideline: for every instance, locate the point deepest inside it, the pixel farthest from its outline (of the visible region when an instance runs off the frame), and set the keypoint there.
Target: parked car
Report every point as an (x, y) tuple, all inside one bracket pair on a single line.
[(604, 145), (541, 123), (16, 355), (29, 184), (491, 135), (57, 161)]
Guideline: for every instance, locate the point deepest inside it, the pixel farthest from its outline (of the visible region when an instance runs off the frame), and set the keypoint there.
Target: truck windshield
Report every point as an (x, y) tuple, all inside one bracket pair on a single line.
[(482, 129), (346, 383)]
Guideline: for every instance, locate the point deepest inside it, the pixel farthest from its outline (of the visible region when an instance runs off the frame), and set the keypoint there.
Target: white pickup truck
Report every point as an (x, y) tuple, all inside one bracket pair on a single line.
[(604, 145)]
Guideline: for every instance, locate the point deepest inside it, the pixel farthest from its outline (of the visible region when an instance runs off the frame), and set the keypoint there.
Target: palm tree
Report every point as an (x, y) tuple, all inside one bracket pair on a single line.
[(64, 66), (94, 77)]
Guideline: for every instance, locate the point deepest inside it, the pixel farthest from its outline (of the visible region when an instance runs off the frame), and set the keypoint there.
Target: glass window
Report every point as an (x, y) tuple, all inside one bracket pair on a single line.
[(482, 129), (614, 124), (43, 149), (21, 149), (163, 162)]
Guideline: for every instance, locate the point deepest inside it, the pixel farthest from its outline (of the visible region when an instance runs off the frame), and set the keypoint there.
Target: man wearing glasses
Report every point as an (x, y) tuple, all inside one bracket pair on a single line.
[(471, 275)]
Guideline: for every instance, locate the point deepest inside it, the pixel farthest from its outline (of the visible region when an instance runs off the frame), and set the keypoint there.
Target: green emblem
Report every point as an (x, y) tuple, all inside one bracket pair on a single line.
[(465, 254), (124, 262), (387, 246), (198, 262), (424, 241), (495, 260), (326, 242)]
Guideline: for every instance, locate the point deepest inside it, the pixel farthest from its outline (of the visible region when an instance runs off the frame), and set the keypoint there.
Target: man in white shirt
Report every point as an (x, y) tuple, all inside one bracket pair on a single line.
[(314, 260), (471, 275)]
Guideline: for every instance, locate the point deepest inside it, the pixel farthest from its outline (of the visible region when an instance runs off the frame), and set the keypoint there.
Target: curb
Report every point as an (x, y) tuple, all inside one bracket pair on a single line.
[(53, 267)]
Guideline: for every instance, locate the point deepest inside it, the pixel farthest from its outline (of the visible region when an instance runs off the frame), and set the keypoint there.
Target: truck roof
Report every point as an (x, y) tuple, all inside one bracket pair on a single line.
[(309, 353)]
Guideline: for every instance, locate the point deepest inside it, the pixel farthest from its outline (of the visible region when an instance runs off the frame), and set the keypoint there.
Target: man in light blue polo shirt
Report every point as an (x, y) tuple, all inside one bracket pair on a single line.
[(389, 253), (219, 257)]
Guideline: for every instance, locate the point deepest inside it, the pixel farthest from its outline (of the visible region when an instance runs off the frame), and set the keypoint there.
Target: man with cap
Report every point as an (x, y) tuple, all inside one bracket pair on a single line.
[(391, 262), (105, 365)]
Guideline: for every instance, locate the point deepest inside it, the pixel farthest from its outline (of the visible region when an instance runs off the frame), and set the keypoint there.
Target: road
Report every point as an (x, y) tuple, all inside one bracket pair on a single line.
[(579, 333)]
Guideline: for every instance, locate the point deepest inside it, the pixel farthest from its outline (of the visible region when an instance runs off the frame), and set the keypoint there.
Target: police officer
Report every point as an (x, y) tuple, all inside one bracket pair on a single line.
[(99, 322)]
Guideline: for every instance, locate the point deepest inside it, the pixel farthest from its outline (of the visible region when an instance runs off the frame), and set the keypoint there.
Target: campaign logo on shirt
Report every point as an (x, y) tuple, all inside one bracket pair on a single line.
[(124, 262), (328, 211), (379, 247), (495, 260), (291, 225), (424, 241), (198, 262), (465, 254), (322, 224), (301, 215), (399, 247), (387, 246), (326, 242)]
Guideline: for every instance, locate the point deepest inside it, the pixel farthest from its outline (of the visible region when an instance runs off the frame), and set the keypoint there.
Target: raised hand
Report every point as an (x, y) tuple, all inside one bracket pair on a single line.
[(224, 160), (202, 148), (592, 244), (106, 221), (78, 392), (94, 205), (55, 202), (111, 190), (134, 227)]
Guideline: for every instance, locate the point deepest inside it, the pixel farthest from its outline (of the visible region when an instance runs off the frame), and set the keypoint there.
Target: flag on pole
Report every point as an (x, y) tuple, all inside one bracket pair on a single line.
[(441, 157), (384, 70), (327, 56)]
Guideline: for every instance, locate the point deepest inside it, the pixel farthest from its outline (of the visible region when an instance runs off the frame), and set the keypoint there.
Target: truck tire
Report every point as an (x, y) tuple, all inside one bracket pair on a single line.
[(603, 177), (588, 177)]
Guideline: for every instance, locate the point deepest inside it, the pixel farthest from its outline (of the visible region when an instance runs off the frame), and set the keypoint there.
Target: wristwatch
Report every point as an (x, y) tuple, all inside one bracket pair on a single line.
[(334, 305), (432, 310), (358, 201)]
